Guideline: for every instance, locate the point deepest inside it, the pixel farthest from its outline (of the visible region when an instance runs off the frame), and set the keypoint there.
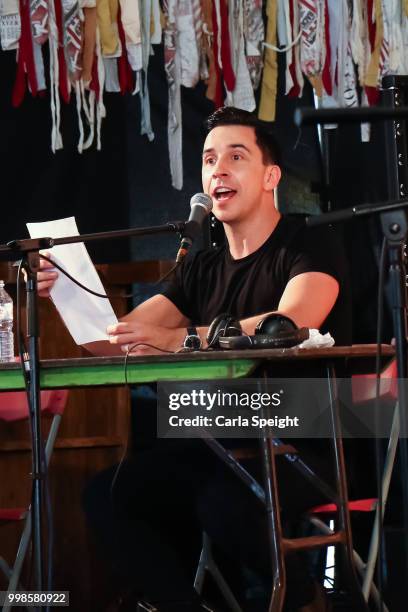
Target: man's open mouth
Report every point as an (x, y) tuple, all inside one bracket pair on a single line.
[(223, 193)]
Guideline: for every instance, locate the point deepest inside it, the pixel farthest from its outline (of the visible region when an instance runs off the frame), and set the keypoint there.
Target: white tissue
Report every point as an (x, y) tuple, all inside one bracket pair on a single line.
[(317, 340)]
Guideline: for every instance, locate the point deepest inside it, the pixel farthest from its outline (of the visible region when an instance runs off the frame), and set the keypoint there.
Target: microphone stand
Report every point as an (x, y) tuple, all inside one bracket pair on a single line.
[(394, 227), (28, 251)]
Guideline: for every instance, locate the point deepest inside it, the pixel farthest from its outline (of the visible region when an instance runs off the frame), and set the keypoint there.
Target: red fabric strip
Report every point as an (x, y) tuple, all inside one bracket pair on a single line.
[(125, 73), (94, 84), (229, 76), (326, 74), (295, 90), (372, 27), (25, 58)]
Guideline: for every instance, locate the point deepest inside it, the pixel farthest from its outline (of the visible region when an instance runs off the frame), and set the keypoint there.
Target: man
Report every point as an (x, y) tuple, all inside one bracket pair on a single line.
[(270, 263)]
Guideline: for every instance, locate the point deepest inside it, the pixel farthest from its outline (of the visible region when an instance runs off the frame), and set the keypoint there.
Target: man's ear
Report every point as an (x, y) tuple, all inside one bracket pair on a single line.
[(272, 177)]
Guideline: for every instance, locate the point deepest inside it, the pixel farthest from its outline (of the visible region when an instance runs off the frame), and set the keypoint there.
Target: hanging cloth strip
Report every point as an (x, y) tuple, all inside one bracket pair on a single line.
[(112, 84), (89, 43), (130, 18), (284, 35), (57, 69), (189, 28), (125, 74), (294, 64), (254, 35), (57, 48), (25, 63), (72, 37), (182, 37), (243, 95), (222, 51), (173, 74), (405, 27), (345, 90), (385, 45), (10, 24), (267, 106), (358, 37), (146, 126), (39, 30), (311, 23), (360, 49), (398, 63), (156, 27), (208, 31), (373, 69), (39, 20), (326, 72), (107, 11)]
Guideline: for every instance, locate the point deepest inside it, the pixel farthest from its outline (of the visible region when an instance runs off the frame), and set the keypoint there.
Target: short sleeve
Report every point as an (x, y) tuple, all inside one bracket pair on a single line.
[(316, 250), (180, 290)]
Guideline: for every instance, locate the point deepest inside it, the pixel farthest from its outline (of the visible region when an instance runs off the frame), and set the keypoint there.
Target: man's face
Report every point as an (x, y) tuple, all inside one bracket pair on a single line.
[(233, 173)]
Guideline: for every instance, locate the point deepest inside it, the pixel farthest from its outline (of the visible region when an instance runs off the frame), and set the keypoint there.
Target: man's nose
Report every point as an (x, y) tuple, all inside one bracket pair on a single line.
[(220, 168)]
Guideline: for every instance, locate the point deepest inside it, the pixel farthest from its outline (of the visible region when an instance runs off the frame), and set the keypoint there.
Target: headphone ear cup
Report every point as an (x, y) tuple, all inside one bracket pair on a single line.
[(223, 325), (275, 325)]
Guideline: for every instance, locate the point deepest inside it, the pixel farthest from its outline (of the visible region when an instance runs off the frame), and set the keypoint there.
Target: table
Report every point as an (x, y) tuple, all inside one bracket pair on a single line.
[(103, 371)]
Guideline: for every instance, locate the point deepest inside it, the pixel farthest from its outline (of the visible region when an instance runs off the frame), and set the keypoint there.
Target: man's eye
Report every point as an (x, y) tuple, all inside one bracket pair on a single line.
[(236, 156), (210, 160)]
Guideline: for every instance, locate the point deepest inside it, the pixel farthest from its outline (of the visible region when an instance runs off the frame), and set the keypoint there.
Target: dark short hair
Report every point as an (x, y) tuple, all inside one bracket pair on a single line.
[(229, 115)]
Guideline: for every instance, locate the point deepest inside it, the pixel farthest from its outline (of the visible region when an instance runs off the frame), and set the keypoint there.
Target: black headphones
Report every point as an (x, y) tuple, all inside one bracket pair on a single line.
[(274, 331), (225, 325)]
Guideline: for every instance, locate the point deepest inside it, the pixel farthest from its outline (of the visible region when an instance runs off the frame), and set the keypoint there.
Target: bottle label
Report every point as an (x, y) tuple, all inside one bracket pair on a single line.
[(6, 311)]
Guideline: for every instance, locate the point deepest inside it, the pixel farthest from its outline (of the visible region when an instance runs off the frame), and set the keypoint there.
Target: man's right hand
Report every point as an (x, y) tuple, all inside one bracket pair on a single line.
[(46, 277)]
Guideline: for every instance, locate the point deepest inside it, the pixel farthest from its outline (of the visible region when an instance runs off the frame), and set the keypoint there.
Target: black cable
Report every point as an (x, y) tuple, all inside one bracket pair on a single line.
[(127, 384), (171, 271), (22, 349), (379, 455), (103, 295), (133, 346)]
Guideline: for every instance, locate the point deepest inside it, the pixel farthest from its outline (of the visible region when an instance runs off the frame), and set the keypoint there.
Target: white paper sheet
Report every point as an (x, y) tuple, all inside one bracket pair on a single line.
[(85, 315)]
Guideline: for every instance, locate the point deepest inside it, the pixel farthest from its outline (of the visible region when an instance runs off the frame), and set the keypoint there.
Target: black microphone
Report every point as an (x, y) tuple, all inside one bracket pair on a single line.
[(201, 206)]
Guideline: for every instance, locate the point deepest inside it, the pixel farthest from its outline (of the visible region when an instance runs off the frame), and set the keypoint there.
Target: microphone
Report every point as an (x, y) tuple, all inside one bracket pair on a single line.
[(201, 206)]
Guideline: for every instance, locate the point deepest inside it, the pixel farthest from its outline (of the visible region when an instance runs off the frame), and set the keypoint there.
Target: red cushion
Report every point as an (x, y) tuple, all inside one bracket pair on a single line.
[(12, 514), (14, 407), (364, 386), (359, 505)]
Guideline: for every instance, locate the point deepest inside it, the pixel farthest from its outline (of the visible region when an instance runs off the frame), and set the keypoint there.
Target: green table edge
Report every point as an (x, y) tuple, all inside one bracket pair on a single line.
[(109, 374)]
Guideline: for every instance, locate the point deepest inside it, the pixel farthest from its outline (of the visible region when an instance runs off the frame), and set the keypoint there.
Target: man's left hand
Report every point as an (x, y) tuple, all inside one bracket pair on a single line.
[(145, 339)]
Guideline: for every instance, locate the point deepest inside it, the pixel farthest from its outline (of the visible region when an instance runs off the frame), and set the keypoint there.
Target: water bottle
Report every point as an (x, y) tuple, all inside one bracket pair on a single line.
[(6, 326)]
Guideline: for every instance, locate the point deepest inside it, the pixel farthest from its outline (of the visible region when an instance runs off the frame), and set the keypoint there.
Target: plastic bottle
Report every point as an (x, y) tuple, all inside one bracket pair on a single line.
[(6, 326)]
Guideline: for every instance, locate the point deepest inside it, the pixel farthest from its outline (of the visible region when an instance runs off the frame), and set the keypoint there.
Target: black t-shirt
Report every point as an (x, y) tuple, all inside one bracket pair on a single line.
[(211, 282)]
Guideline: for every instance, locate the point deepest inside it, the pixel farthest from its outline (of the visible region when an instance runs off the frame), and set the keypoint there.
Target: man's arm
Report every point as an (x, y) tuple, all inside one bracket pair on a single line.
[(307, 300), (156, 322)]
